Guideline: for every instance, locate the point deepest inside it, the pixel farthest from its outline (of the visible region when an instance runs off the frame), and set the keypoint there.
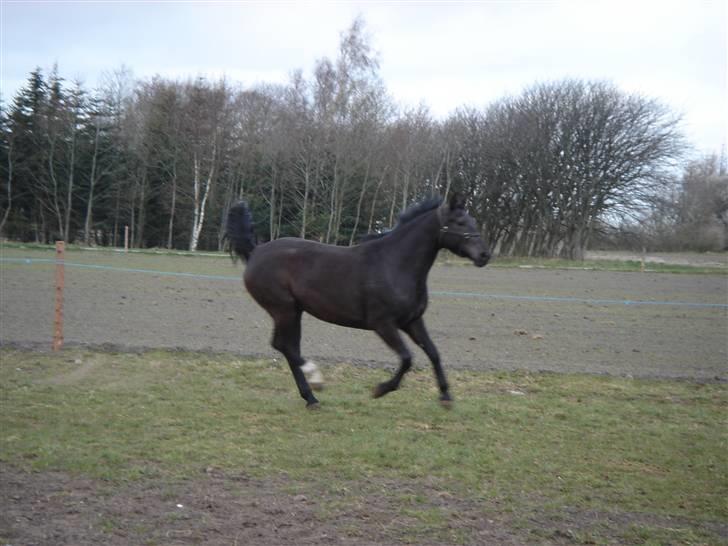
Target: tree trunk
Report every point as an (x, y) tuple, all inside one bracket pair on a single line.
[(272, 215), (394, 200), (88, 223), (374, 200), (199, 210), (56, 208), (132, 222), (332, 205), (116, 216), (339, 210), (280, 216), (40, 236), (173, 207), (436, 180), (228, 201), (405, 189), (306, 190), (358, 206), (139, 235), (447, 176), (10, 186), (69, 192)]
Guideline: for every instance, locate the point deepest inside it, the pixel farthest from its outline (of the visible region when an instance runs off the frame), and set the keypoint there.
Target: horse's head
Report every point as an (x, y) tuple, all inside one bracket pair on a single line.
[(459, 233)]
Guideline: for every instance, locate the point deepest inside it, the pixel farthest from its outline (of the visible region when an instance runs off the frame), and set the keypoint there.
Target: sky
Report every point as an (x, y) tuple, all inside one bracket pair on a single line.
[(441, 54)]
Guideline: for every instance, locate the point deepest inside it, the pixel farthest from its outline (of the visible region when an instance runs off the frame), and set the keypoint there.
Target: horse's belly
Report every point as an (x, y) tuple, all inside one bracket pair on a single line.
[(339, 319), (337, 310)]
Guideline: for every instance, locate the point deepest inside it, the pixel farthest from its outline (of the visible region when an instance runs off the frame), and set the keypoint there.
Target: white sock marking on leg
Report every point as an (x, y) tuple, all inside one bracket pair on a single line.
[(312, 373)]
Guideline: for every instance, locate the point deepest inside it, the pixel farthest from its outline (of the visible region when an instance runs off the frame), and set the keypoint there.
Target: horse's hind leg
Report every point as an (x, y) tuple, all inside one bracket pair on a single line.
[(391, 337), (417, 331), (287, 340)]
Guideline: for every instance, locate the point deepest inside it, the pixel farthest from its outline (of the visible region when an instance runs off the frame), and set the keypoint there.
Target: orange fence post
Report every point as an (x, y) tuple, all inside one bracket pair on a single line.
[(60, 281)]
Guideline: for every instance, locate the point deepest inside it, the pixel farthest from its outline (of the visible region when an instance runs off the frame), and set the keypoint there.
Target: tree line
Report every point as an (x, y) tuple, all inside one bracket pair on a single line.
[(329, 157), (691, 214)]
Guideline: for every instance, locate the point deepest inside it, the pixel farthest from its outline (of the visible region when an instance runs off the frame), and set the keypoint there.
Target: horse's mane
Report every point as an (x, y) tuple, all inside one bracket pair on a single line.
[(409, 214), (418, 209)]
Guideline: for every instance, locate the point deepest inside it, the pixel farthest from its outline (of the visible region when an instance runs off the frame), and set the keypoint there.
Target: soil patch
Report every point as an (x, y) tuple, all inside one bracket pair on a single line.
[(55, 508), (510, 319)]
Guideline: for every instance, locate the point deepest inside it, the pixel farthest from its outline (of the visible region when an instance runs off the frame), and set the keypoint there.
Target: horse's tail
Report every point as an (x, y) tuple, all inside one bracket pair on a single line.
[(240, 231)]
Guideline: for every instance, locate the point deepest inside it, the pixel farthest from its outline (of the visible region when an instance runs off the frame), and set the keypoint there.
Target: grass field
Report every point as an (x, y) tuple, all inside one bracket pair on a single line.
[(547, 458)]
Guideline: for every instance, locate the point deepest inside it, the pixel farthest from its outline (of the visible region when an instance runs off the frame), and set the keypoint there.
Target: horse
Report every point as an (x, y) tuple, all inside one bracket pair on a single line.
[(379, 284)]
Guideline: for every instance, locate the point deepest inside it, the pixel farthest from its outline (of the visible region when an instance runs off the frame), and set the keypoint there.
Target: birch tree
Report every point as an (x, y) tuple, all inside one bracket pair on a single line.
[(205, 110)]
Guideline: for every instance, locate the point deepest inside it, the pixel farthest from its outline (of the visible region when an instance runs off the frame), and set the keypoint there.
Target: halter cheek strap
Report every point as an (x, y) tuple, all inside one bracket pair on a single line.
[(439, 215)]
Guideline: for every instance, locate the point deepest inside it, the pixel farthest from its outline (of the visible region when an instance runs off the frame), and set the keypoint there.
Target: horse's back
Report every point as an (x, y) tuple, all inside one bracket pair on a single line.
[(295, 255), (324, 280)]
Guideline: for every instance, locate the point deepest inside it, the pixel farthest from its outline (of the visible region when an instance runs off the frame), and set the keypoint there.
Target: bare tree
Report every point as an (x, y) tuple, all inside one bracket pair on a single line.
[(563, 155), (205, 110), (330, 156)]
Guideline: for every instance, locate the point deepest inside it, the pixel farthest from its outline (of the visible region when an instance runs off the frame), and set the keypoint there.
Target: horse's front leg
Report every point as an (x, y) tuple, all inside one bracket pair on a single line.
[(391, 337), (417, 331)]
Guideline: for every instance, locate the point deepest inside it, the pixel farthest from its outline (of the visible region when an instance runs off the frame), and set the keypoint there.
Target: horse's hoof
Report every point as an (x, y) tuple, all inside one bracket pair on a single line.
[(313, 406), (316, 386), (446, 402), (380, 390)]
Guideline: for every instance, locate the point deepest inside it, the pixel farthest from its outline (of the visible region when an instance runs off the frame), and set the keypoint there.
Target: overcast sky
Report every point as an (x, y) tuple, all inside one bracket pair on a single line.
[(442, 54)]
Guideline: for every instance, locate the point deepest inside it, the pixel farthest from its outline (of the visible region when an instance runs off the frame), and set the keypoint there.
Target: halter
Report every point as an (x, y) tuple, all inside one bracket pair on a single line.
[(445, 231), (467, 235)]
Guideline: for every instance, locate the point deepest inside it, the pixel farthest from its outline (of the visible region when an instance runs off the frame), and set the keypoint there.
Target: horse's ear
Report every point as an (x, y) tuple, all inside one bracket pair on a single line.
[(457, 201)]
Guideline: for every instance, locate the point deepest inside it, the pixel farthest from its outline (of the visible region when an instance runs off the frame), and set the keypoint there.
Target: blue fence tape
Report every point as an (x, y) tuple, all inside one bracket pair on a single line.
[(456, 294), (30, 261)]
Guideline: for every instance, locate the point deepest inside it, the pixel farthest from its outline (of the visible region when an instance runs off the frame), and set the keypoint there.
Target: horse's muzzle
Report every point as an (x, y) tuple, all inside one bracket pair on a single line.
[(482, 259)]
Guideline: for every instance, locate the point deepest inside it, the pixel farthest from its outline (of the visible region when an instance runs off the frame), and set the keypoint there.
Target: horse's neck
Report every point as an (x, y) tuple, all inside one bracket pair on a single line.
[(415, 247)]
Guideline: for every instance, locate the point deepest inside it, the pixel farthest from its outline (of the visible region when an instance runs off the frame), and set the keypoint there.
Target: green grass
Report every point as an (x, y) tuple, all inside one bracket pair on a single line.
[(177, 262), (12, 245), (608, 265), (524, 444)]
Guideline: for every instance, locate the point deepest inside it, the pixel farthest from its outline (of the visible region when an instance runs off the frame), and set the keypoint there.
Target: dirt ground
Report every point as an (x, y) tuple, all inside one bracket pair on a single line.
[(54, 508), (533, 319), (217, 509)]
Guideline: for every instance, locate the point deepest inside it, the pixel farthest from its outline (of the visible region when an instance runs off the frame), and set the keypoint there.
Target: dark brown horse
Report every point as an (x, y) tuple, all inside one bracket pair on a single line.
[(379, 285)]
